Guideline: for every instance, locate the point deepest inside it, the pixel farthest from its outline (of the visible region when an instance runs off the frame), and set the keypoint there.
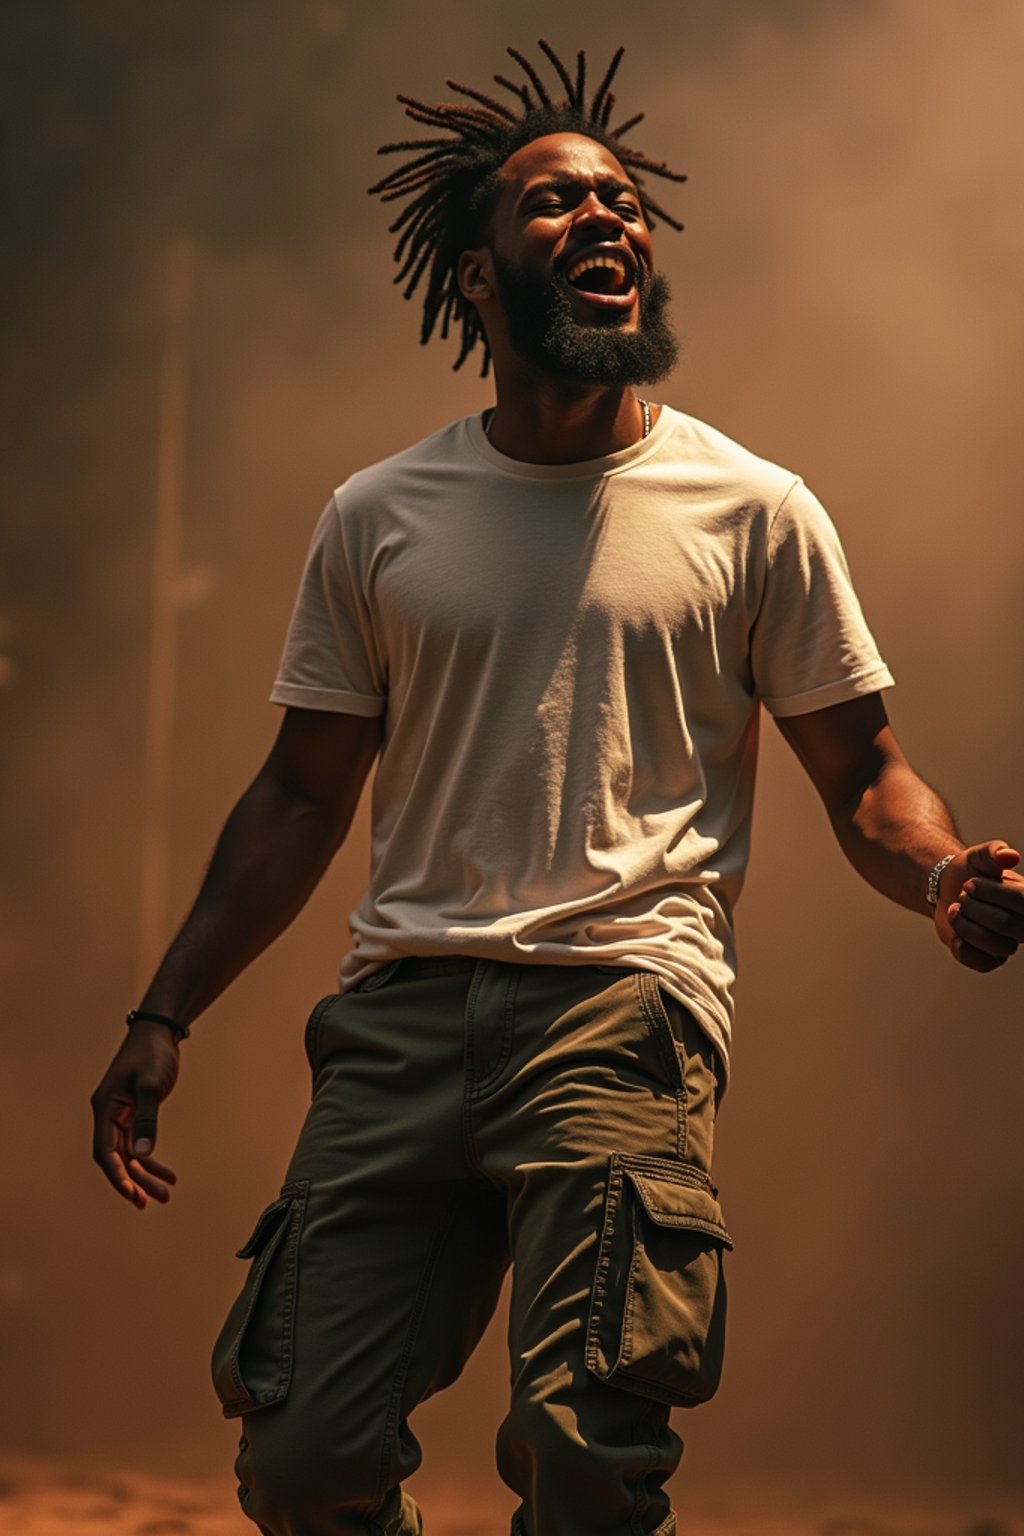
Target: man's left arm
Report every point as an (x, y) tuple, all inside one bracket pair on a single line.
[(894, 829)]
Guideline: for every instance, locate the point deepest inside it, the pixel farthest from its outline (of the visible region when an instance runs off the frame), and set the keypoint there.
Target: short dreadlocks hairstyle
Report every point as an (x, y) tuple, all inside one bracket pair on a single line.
[(453, 182)]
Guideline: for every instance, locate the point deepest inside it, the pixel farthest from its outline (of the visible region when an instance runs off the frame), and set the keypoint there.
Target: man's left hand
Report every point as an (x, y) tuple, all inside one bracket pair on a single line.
[(980, 911)]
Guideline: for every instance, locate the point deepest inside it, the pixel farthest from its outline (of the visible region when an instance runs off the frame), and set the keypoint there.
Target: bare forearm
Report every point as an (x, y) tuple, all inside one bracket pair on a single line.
[(894, 830), (270, 856), (895, 833)]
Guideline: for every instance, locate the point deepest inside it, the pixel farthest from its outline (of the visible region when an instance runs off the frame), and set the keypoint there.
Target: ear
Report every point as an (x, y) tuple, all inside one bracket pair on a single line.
[(475, 272)]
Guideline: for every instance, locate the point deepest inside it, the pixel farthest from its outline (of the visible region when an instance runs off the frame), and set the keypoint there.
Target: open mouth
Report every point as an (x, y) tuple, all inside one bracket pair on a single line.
[(607, 277)]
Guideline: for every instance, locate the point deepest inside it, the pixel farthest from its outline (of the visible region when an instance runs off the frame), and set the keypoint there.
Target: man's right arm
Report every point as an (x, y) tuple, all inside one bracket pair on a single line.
[(274, 848)]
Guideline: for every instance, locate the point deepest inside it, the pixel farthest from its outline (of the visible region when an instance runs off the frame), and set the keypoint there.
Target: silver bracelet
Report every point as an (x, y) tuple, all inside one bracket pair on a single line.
[(933, 878)]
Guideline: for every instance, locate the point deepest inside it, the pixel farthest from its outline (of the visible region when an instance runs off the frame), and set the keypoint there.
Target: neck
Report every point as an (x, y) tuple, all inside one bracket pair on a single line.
[(549, 422)]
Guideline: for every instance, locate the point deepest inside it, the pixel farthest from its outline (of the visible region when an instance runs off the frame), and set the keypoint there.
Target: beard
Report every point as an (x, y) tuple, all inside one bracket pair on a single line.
[(544, 331)]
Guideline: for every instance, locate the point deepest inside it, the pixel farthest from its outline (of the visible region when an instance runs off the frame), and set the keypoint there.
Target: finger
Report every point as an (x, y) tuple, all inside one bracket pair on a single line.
[(980, 936), (116, 1170), (106, 1153), (146, 1181), (1008, 892), (142, 1135), (1004, 917), (112, 1165), (974, 959), (161, 1170), (992, 858)]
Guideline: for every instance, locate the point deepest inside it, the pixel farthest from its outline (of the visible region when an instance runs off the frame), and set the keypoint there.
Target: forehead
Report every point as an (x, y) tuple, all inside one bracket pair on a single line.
[(560, 157)]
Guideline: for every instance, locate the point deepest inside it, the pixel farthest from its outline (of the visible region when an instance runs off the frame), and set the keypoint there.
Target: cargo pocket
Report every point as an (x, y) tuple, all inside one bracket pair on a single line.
[(252, 1357), (657, 1317)]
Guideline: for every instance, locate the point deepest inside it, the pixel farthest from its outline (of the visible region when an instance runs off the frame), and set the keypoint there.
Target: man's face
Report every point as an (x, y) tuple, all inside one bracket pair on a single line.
[(574, 266)]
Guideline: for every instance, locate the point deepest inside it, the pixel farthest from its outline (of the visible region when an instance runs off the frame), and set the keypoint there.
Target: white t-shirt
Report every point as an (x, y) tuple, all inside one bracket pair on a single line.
[(570, 659)]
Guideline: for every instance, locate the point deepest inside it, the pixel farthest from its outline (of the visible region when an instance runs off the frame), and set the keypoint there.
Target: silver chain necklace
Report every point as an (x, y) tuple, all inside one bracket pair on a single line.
[(644, 405)]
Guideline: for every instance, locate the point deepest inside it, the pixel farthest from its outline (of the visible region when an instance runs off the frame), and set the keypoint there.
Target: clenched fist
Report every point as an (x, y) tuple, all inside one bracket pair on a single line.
[(980, 912)]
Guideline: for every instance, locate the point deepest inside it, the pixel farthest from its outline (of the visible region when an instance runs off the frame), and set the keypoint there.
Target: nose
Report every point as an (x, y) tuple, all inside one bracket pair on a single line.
[(593, 213)]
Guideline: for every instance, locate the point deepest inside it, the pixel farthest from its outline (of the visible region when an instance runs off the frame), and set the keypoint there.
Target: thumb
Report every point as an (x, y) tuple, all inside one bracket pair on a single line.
[(147, 1100), (992, 858)]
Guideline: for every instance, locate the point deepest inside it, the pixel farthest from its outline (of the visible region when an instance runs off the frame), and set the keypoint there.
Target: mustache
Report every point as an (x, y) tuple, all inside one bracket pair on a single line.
[(517, 283), (544, 330)]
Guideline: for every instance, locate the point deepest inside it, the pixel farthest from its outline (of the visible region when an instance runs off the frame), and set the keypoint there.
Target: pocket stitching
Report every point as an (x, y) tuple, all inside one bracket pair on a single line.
[(682, 1174), (286, 1234), (663, 1167), (661, 1217), (311, 1040), (378, 977), (599, 1290), (709, 1228), (659, 1025)]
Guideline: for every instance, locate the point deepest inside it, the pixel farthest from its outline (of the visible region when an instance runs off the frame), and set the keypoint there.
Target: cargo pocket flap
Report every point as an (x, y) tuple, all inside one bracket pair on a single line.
[(252, 1356), (671, 1203), (657, 1316), (270, 1221)]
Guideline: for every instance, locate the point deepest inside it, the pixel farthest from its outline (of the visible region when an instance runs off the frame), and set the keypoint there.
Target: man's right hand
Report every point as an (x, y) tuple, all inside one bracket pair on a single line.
[(124, 1108), (275, 846)]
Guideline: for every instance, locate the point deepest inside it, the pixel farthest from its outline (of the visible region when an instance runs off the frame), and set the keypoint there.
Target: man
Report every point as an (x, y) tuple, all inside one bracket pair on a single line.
[(555, 623)]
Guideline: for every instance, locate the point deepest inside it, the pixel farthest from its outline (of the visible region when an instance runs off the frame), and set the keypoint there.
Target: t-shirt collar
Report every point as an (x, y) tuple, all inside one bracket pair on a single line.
[(585, 469)]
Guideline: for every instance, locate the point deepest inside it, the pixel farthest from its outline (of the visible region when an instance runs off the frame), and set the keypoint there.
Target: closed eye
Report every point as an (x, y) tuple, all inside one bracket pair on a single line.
[(560, 197), (551, 206)]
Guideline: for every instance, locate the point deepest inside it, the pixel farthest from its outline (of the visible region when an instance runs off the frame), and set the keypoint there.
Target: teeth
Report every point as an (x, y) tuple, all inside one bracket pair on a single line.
[(585, 263)]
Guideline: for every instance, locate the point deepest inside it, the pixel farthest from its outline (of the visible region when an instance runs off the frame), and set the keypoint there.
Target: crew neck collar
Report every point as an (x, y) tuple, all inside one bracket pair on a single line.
[(584, 469)]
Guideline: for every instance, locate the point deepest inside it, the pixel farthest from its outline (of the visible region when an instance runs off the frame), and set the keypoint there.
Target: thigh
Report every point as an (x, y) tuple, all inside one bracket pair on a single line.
[(615, 1222), (603, 1129), (373, 1274), (593, 1062)]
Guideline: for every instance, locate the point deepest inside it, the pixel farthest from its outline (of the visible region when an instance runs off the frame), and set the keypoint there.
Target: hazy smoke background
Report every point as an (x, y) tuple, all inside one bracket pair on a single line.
[(848, 293)]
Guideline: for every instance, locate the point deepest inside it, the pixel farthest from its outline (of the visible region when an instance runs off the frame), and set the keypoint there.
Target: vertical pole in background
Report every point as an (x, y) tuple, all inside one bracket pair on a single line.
[(170, 487)]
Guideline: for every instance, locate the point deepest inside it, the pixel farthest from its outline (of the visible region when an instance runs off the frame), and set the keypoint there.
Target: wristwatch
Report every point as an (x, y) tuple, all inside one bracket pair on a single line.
[(933, 878)]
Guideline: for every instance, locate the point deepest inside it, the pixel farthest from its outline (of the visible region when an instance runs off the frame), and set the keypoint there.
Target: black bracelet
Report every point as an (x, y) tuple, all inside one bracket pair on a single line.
[(181, 1031)]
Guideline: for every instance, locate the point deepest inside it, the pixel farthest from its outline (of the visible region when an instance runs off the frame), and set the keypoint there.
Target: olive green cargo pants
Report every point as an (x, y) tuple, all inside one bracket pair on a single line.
[(467, 1115)]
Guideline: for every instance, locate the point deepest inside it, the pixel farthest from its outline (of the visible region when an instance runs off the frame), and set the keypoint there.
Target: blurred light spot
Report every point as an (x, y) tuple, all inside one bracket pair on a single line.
[(331, 19), (194, 587), (7, 671)]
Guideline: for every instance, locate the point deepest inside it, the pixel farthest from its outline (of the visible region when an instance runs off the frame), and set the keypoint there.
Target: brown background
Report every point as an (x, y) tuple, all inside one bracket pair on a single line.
[(848, 293)]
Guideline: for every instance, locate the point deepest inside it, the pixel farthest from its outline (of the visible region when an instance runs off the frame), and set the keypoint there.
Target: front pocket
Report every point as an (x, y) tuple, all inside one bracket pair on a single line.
[(695, 1057), (657, 1317), (314, 1029), (379, 977), (252, 1357)]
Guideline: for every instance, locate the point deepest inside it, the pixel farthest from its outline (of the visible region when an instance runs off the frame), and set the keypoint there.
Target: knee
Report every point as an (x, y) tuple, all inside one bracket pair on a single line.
[(291, 1482), (589, 1460), (541, 1436)]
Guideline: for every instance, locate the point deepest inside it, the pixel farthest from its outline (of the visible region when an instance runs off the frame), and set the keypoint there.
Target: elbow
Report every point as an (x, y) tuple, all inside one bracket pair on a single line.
[(325, 816)]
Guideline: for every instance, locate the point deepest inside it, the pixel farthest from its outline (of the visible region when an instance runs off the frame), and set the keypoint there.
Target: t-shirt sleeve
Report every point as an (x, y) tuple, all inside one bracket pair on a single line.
[(331, 658), (810, 645)]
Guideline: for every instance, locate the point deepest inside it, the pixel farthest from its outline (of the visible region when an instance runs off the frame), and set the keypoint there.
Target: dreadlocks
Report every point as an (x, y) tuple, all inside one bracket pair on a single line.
[(453, 182)]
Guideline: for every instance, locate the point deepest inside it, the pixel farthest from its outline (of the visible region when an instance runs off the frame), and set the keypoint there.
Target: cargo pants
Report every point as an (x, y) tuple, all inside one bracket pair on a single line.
[(467, 1115)]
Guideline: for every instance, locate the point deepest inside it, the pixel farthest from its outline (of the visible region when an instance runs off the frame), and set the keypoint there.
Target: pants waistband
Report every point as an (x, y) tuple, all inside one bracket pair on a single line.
[(435, 965)]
